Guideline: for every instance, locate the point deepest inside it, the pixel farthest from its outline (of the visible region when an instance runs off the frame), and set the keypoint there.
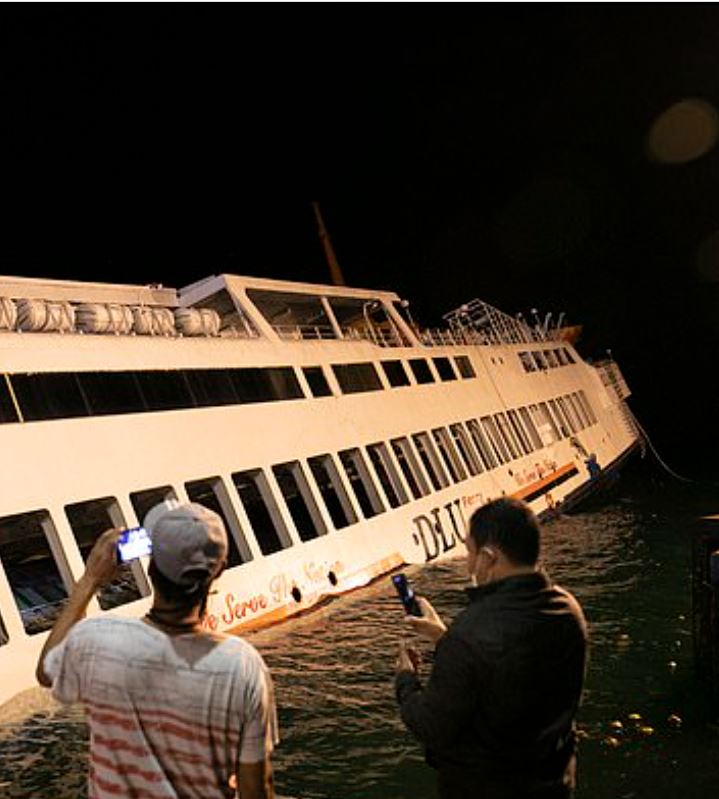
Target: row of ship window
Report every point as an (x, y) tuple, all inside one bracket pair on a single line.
[(329, 492), (63, 395), (539, 360)]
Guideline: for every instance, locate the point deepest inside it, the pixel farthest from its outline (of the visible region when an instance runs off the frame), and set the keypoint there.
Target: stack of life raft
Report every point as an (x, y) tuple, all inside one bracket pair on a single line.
[(63, 317)]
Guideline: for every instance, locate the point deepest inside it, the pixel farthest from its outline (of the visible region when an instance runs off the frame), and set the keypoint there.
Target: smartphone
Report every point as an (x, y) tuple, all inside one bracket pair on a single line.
[(133, 543), (406, 594)]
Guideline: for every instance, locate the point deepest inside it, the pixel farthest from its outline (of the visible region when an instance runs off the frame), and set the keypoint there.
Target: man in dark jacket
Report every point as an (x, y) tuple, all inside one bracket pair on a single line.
[(497, 713)]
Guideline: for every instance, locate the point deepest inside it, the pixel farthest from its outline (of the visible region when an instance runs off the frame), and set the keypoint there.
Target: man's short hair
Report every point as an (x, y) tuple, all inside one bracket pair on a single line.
[(183, 597), (510, 526)]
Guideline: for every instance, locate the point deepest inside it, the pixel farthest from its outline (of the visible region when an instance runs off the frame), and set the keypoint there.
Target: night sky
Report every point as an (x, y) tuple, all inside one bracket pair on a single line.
[(554, 156)]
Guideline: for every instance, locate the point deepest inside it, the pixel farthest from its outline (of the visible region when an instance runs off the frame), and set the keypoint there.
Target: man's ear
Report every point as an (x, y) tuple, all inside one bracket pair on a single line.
[(212, 588)]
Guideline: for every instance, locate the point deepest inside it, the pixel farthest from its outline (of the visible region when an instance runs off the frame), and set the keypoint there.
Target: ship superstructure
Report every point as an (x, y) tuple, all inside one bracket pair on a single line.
[(335, 437)]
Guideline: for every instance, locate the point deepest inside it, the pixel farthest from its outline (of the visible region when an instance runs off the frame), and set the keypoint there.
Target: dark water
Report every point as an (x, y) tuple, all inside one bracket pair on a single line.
[(627, 560)]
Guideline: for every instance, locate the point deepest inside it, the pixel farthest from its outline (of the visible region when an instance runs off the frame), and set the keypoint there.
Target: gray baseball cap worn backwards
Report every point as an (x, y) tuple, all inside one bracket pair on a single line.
[(189, 542)]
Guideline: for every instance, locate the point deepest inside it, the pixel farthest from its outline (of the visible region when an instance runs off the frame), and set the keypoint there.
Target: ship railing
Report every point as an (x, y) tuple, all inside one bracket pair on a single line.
[(498, 327), (375, 334), (447, 337), (233, 331), (455, 336), (612, 378), (304, 332), (379, 335)]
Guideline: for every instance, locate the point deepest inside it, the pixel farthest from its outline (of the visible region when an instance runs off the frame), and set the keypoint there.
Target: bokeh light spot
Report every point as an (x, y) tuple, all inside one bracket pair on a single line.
[(685, 131)]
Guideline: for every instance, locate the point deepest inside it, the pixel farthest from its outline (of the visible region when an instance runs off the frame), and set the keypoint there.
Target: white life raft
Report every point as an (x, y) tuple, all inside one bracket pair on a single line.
[(153, 321), (8, 314), (97, 317), (197, 321), (44, 316)]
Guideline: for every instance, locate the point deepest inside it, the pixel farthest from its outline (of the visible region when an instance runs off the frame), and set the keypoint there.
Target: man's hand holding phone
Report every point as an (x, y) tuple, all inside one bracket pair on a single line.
[(421, 616), (406, 594), (429, 625), (133, 543), (101, 565)]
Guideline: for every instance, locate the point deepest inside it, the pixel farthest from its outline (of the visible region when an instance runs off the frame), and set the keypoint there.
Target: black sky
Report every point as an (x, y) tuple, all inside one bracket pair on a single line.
[(497, 151)]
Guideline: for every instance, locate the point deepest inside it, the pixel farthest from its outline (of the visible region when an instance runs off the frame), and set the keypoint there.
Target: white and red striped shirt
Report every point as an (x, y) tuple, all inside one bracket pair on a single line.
[(170, 717)]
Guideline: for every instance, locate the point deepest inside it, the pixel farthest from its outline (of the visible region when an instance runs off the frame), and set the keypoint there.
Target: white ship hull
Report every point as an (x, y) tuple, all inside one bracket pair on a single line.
[(305, 468)]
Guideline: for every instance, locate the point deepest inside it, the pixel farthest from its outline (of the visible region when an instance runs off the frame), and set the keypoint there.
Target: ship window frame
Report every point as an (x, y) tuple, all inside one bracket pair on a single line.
[(560, 422), (527, 361), (484, 447), (540, 360), (396, 373), (130, 572), (303, 509), (27, 396), (8, 407), (587, 422), (317, 381), (450, 457), (45, 395), (546, 415), (463, 445), (410, 467), (421, 371), (238, 552), (588, 406), (396, 496), (465, 367), (491, 432), (278, 538), (551, 358), (445, 370), (306, 315), (341, 501), (522, 436), (531, 427), (577, 417), (159, 395), (255, 384), (569, 414), (212, 388), (508, 434), (108, 393), (430, 460), (578, 409), (40, 616), (357, 377), (137, 499), (373, 506)]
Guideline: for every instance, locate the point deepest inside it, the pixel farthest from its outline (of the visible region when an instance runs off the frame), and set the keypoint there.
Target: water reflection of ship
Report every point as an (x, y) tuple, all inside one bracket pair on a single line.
[(336, 437)]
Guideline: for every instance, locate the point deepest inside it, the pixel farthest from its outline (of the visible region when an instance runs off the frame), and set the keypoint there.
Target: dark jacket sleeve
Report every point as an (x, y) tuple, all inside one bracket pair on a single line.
[(436, 713)]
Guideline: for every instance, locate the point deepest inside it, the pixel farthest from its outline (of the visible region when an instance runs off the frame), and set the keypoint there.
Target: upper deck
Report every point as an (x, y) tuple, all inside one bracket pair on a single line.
[(250, 309), (70, 349)]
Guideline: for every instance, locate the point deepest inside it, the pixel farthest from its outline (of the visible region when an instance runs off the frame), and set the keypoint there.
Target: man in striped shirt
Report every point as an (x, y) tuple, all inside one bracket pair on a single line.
[(174, 712)]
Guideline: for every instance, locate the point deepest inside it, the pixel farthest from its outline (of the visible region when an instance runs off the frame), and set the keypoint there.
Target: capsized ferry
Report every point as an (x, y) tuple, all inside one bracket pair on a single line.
[(335, 437)]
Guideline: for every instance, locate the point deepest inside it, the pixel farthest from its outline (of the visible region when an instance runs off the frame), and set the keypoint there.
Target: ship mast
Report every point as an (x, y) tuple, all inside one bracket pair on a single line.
[(335, 271)]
